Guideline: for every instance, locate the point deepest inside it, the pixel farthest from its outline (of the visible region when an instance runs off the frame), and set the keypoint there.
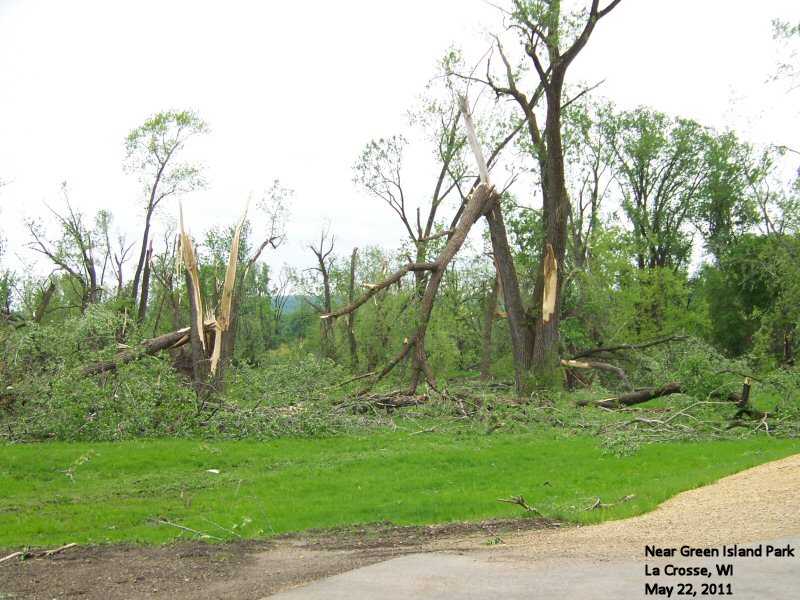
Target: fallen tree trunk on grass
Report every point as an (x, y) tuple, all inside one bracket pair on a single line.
[(637, 397)]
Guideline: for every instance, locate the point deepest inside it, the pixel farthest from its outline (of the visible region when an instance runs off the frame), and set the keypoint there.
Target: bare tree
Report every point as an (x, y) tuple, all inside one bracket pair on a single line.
[(327, 331)]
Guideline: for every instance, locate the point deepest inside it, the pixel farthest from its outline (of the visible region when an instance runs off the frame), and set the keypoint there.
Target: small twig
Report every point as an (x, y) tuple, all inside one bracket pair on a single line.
[(12, 555), (221, 527), (364, 376), (594, 505), (429, 430), (59, 550), (190, 530), (521, 501), (263, 512)]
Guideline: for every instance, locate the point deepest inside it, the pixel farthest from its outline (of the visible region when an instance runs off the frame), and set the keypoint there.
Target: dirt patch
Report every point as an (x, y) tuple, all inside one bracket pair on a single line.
[(754, 505), (242, 570)]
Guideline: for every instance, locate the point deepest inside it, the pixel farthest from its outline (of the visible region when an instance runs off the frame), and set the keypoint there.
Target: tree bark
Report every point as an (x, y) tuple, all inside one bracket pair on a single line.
[(145, 285), (47, 295)]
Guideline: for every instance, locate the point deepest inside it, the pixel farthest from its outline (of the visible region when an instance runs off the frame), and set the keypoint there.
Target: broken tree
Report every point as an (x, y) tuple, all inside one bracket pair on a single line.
[(479, 202), (543, 31)]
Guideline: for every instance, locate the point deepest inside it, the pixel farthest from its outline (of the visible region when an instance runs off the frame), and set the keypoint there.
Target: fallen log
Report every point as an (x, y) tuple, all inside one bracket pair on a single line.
[(151, 347), (637, 397), (392, 401)]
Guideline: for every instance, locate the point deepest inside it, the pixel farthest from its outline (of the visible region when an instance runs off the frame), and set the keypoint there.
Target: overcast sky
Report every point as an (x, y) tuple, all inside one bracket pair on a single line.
[(293, 91)]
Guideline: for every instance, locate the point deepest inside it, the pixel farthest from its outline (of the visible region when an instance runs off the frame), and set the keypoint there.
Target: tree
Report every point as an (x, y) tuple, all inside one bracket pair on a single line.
[(788, 67), (482, 198), (211, 357), (551, 41), (661, 170), (73, 253), (379, 170), (326, 326), (152, 152)]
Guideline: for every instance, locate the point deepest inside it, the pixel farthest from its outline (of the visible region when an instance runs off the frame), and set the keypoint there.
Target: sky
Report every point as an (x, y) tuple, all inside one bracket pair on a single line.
[(294, 90)]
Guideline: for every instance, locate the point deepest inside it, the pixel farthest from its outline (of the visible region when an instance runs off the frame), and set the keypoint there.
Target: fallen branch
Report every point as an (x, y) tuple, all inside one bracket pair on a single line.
[(190, 530), (494, 428), (637, 397), (603, 349), (395, 401), (38, 553), (599, 366), (351, 380), (520, 501), (421, 431), (595, 505)]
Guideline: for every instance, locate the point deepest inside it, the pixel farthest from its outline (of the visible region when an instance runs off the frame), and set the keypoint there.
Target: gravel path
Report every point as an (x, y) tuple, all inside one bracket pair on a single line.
[(757, 504)]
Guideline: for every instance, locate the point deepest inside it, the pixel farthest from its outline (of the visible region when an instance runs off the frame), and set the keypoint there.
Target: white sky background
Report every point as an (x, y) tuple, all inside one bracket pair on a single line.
[(293, 90)]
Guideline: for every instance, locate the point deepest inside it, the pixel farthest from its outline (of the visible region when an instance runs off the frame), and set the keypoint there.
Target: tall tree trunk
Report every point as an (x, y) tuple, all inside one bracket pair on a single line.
[(479, 203), (555, 215), (350, 319), (489, 309), (137, 276), (47, 295), (518, 322), (145, 285)]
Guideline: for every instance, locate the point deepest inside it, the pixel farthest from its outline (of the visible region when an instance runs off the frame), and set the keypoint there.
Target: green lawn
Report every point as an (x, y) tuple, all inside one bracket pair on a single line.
[(56, 493)]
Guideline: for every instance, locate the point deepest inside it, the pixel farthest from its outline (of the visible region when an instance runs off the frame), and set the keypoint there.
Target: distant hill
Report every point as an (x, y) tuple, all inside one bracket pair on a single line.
[(293, 302)]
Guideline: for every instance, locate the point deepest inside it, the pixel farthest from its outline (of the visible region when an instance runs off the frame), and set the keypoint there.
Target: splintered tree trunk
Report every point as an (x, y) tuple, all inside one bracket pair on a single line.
[(210, 355), (555, 215), (479, 202)]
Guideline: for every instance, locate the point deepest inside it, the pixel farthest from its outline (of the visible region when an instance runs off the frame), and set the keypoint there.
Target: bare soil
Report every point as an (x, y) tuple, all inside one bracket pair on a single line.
[(754, 505)]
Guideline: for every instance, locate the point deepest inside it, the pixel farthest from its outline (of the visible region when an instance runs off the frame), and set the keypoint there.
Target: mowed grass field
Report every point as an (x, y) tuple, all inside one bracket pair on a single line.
[(56, 493)]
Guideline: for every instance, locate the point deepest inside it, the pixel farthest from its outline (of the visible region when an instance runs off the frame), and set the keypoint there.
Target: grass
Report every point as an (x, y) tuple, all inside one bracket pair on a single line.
[(56, 493)]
